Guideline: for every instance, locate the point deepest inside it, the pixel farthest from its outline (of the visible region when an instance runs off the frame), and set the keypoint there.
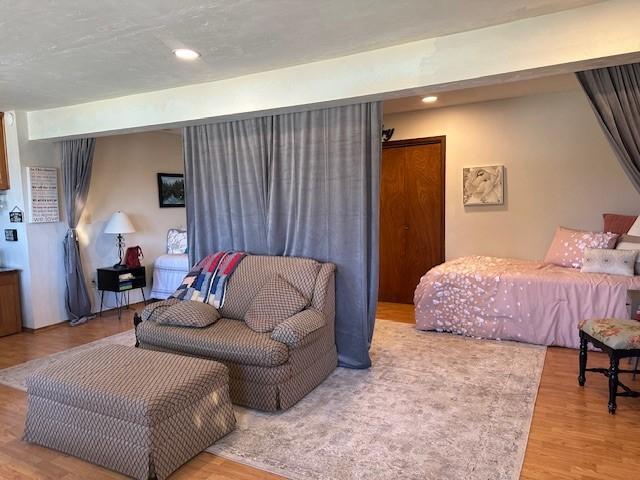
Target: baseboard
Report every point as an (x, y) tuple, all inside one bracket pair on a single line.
[(47, 327), (42, 329)]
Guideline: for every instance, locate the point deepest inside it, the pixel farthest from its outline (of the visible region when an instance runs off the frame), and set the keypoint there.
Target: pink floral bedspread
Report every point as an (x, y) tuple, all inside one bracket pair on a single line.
[(510, 299)]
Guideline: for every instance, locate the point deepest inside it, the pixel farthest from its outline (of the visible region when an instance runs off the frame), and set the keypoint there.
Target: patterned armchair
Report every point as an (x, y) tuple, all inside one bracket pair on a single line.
[(268, 371)]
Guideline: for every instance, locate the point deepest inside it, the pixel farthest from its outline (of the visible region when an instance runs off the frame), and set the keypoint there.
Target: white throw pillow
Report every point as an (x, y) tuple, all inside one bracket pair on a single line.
[(635, 228), (176, 241), (605, 260), (630, 242)]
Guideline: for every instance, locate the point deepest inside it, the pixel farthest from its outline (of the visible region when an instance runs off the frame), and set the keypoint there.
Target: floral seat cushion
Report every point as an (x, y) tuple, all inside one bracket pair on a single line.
[(619, 334)]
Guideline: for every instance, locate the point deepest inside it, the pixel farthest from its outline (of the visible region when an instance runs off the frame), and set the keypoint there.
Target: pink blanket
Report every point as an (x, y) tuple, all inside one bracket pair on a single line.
[(510, 299)]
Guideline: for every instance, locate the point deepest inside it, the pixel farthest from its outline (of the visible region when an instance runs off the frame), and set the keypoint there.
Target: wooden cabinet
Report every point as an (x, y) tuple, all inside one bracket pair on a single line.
[(10, 311), (4, 167)]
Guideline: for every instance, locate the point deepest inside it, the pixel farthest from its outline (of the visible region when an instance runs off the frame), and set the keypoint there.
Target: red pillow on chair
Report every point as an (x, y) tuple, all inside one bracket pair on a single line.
[(619, 224)]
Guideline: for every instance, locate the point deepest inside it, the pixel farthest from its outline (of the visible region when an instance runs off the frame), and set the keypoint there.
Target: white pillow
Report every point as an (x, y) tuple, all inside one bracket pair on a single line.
[(176, 241), (605, 260), (629, 242), (635, 228)]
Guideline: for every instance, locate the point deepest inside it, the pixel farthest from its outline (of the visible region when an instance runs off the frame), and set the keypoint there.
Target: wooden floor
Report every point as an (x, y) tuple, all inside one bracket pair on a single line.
[(572, 435)]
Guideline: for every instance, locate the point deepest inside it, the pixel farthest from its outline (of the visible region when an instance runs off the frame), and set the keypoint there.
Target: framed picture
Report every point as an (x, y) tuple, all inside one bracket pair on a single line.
[(171, 190), (16, 215), (11, 235), (483, 185), (42, 192)]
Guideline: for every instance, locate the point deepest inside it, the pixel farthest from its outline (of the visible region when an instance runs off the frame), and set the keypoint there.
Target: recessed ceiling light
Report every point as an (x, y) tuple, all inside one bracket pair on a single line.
[(430, 99), (186, 54)]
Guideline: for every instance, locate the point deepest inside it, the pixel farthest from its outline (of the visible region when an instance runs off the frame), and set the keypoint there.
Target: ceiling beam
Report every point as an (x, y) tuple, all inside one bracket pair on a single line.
[(600, 34)]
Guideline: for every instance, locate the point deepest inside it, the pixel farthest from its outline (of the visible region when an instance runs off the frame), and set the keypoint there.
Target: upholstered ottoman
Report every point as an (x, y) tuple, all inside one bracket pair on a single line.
[(138, 412)]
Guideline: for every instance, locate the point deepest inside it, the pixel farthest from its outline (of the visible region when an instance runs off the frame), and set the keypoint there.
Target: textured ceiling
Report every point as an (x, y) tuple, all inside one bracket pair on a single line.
[(61, 52)]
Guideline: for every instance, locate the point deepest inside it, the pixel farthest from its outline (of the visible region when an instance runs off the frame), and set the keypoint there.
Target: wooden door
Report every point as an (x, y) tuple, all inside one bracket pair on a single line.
[(4, 168), (411, 215)]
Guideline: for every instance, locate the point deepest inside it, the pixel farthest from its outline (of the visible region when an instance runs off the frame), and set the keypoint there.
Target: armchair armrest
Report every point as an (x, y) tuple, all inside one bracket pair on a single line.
[(296, 331), (151, 313)]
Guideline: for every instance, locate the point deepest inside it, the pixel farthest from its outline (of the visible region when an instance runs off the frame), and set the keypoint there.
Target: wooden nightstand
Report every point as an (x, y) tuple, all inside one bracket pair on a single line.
[(121, 280), (633, 308)]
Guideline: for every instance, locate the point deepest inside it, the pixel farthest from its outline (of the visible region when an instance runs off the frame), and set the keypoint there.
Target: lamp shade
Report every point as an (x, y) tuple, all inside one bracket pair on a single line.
[(119, 223)]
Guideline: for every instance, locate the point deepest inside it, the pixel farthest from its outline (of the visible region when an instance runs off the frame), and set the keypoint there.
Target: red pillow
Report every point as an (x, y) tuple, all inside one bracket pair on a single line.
[(619, 224)]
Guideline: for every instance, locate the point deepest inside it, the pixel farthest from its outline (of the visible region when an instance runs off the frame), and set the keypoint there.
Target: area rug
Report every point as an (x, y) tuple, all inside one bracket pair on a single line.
[(432, 406), (16, 376)]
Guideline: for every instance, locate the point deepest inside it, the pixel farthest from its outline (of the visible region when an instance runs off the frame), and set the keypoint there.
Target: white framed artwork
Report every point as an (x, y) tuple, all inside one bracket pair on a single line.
[(483, 185), (42, 189)]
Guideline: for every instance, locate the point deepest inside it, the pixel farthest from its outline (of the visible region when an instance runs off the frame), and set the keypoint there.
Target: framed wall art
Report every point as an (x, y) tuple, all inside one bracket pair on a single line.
[(171, 190), (483, 185)]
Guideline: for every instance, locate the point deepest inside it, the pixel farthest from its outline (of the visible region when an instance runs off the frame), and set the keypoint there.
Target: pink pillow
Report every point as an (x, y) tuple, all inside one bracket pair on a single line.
[(567, 248)]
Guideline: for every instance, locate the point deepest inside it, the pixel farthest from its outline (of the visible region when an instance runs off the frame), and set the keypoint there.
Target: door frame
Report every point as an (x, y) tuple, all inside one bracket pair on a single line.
[(441, 139)]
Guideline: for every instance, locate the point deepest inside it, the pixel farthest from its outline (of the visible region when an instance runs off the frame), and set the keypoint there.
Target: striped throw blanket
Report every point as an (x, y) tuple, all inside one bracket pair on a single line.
[(207, 280)]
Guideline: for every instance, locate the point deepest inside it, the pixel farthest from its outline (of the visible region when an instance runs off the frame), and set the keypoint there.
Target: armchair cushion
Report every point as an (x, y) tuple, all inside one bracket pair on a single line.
[(154, 310), (226, 340), (295, 330), (276, 301), (189, 314)]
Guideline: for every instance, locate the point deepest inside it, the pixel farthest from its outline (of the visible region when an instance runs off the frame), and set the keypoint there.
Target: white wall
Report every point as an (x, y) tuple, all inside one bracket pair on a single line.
[(46, 252), (124, 178), (560, 170), (16, 254), (38, 252)]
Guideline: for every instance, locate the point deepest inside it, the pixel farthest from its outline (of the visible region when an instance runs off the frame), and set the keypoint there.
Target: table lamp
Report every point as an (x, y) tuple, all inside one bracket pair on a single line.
[(118, 224)]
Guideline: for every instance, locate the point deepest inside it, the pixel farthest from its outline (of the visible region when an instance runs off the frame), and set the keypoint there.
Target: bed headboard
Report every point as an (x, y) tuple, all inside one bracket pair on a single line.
[(616, 223)]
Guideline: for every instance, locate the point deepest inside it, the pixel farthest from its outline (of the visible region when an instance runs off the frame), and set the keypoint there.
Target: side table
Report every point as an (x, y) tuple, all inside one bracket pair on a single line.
[(121, 280)]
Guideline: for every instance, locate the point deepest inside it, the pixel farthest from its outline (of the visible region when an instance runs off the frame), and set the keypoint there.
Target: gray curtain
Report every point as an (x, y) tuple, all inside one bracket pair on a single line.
[(614, 93), (77, 158), (300, 184), (226, 167)]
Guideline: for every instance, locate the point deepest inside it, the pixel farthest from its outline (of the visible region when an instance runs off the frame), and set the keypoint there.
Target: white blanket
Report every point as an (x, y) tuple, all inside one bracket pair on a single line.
[(168, 273)]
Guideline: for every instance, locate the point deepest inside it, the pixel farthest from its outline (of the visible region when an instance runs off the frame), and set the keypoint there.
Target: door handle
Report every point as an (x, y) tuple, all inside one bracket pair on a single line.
[(405, 227)]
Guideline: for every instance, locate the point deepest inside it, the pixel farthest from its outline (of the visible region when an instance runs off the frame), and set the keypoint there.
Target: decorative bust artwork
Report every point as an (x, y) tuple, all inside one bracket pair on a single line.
[(483, 185)]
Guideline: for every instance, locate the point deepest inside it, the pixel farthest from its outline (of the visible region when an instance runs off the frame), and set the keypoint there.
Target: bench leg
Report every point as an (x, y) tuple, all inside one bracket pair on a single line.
[(613, 383), (583, 359)]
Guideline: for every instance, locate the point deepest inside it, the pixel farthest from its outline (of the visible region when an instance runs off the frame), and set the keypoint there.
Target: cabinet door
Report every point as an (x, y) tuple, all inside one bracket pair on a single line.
[(10, 314), (4, 168)]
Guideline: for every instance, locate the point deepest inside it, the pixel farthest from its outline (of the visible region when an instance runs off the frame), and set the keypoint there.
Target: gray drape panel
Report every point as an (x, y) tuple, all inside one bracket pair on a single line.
[(226, 167), (300, 184), (77, 158), (614, 93)]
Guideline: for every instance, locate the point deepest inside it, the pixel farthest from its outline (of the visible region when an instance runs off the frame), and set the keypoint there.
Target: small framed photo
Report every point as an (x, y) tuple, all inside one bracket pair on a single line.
[(171, 190), (16, 215), (11, 235)]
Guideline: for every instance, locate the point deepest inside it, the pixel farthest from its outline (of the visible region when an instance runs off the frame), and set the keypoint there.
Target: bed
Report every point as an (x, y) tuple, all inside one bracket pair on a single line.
[(521, 300), (170, 269)]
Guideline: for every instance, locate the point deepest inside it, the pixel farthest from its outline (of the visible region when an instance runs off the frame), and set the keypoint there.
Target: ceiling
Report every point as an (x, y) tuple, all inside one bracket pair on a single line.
[(521, 88), (62, 52)]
